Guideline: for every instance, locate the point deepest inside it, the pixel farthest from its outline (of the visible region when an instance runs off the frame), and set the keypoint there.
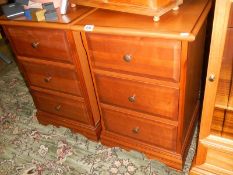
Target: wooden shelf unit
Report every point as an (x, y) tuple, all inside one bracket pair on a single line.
[(215, 145)]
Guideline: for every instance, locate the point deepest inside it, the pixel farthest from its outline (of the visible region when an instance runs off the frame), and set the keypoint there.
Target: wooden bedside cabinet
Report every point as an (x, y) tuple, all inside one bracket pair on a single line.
[(59, 82), (147, 77)]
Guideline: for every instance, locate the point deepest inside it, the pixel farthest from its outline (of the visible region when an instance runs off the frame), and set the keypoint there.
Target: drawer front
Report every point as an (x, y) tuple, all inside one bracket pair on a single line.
[(146, 98), (156, 58), (155, 133), (54, 77), (40, 43), (72, 108)]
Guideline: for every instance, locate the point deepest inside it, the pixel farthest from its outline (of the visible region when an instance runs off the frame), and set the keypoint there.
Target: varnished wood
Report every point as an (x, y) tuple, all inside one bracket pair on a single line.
[(218, 121), (147, 131), (222, 161), (152, 151), (47, 46), (116, 80), (116, 91), (60, 77), (215, 59), (82, 61), (63, 22), (214, 154), (91, 132), (181, 25), (225, 77), (65, 106), (192, 89), (218, 158), (143, 7), (194, 74), (231, 18), (228, 125), (150, 57), (162, 88), (55, 77), (142, 79)]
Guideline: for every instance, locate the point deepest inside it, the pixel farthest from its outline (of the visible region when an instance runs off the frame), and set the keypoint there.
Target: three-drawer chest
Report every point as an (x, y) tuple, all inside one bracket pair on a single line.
[(131, 81), (147, 77), (57, 79)]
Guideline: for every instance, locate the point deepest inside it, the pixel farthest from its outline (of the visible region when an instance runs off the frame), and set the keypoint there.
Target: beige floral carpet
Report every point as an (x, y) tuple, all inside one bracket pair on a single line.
[(28, 148)]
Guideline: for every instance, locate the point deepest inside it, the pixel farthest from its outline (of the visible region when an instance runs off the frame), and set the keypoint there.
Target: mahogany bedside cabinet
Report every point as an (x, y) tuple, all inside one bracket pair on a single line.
[(147, 77), (58, 79)]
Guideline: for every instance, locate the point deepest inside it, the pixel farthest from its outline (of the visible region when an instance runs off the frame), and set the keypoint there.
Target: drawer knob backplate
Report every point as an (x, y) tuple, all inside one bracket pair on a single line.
[(132, 98), (58, 107), (127, 57), (47, 79), (35, 44), (136, 130)]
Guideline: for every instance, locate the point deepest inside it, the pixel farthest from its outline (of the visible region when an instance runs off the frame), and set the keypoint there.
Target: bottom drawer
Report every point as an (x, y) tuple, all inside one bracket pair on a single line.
[(65, 106), (155, 133)]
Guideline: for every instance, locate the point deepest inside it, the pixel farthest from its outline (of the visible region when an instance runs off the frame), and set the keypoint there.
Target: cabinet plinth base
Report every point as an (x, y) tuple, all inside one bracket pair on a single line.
[(88, 131), (171, 159)]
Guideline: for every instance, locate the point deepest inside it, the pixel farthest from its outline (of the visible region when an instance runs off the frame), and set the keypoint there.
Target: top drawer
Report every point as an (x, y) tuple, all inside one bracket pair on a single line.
[(43, 43), (155, 58)]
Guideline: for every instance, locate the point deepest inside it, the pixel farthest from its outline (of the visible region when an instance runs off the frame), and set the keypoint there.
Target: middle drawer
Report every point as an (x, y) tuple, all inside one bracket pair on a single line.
[(52, 76), (142, 97)]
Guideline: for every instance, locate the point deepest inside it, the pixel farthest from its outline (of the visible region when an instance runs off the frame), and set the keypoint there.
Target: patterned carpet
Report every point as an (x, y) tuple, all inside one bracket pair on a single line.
[(28, 148)]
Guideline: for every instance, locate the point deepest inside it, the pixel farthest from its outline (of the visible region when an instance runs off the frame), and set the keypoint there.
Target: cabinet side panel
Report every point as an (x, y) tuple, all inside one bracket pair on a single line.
[(193, 85), (87, 77)]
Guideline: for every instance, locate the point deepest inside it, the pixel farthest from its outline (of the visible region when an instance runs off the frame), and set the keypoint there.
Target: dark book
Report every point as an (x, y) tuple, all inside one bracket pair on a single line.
[(12, 10)]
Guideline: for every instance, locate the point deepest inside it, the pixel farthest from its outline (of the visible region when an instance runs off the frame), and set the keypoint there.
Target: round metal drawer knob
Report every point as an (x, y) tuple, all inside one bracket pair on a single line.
[(211, 77), (132, 98), (47, 79), (127, 57), (136, 130), (35, 45), (58, 107), (156, 18)]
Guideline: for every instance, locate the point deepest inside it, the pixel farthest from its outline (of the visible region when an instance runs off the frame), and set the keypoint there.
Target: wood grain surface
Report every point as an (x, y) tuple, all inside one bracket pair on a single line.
[(40, 43), (148, 7), (156, 58), (52, 76), (156, 100), (183, 24)]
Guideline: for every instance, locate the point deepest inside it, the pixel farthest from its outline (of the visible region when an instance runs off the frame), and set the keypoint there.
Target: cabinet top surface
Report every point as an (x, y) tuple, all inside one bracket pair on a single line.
[(177, 24), (182, 24), (64, 21)]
